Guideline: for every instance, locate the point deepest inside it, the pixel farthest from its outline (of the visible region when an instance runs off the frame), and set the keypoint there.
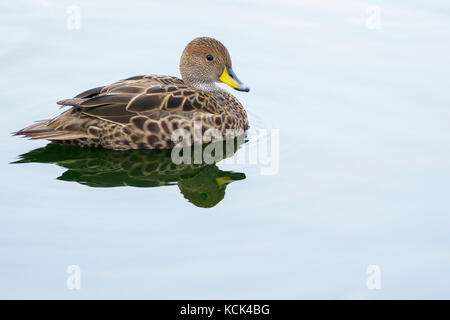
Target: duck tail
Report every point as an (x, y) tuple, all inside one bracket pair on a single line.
[(36, 130), (42, 130)]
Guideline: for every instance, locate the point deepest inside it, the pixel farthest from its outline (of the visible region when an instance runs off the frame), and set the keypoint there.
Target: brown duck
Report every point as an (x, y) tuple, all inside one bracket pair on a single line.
[(143, 112)]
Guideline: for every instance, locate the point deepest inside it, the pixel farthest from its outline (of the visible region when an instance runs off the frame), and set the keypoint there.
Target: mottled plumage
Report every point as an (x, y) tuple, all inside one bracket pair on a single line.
[(143, 112)]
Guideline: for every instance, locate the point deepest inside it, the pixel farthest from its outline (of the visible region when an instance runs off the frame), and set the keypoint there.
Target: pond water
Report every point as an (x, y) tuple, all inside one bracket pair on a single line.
[(350, 99)]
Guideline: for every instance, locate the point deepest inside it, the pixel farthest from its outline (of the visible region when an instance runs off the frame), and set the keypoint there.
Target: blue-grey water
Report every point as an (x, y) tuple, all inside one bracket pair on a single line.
[(359, 93)]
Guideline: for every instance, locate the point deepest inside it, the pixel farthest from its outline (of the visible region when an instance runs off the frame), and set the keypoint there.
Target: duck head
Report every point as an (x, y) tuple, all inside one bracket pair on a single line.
[(206, 61)]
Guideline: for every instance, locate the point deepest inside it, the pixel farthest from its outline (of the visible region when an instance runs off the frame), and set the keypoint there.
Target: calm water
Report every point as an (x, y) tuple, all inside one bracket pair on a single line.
[(364, 159)]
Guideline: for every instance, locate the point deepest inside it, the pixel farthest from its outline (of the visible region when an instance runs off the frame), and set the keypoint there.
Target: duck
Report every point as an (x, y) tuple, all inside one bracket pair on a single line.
[(155, 111)]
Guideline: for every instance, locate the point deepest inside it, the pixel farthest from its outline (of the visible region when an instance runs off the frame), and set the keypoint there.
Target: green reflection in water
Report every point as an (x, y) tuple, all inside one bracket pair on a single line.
[(202, 184)]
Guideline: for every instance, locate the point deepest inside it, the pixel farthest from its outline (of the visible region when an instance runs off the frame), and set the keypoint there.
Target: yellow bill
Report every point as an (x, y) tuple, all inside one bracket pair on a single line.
[(229, 77), (221, 181)]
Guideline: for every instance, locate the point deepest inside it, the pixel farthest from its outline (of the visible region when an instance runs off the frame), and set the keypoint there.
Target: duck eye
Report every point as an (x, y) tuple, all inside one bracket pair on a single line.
[(210, 57)]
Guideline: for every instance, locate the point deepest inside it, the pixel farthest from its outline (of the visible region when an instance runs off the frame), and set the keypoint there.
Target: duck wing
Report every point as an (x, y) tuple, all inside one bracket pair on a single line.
[(151, 96)]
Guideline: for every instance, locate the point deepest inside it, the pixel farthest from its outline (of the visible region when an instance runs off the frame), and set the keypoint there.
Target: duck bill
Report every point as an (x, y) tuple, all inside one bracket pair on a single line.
[(229, 77), (223, 180)]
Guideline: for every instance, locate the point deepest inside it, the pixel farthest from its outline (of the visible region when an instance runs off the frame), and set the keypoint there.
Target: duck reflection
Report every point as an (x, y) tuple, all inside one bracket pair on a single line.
[(203, 184)]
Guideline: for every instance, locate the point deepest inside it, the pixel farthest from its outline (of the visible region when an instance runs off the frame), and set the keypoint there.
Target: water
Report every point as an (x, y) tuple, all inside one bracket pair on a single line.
[(363, 174)]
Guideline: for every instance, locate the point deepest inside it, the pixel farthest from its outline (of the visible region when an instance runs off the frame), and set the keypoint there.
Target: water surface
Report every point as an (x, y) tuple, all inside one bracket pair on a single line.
[(364, 160)]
